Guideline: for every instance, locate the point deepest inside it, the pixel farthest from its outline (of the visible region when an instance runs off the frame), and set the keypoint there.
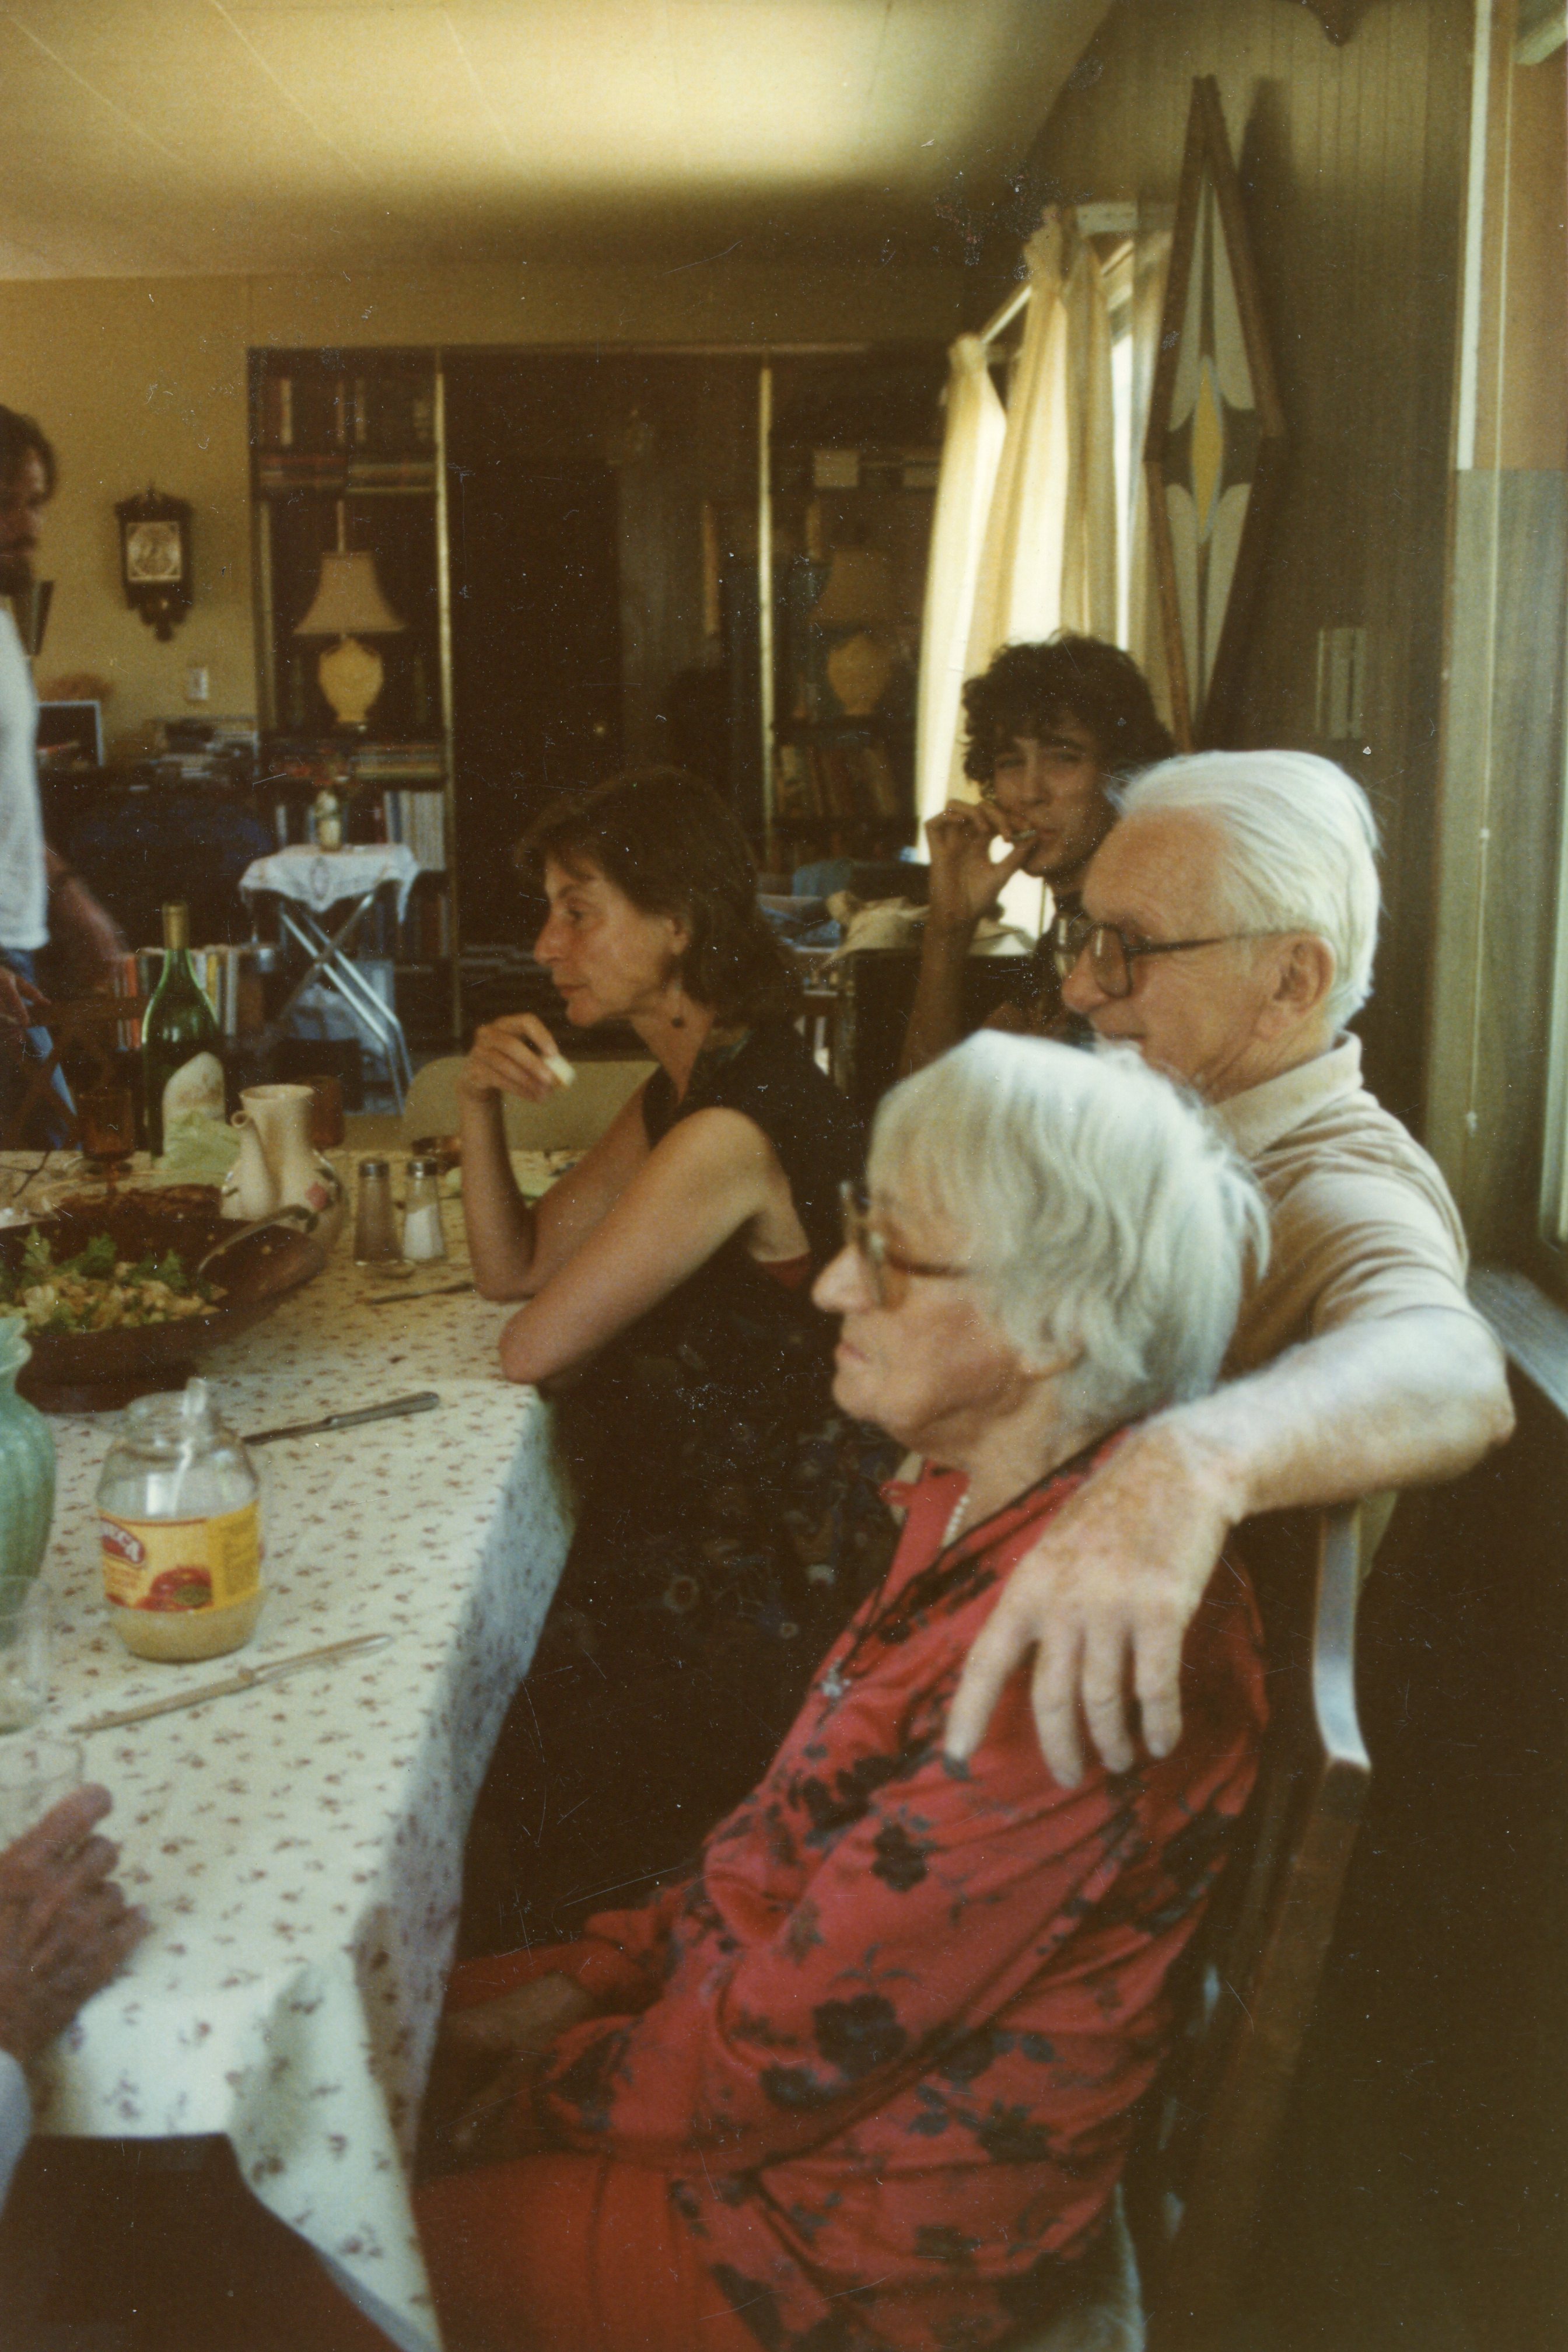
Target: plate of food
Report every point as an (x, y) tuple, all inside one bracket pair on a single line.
[(113, 1299)]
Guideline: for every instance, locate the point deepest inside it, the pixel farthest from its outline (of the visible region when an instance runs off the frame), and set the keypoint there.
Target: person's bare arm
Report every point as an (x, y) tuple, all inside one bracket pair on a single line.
[(710, 1176), (65, 1927), (80, 926), (516, 1248), (964, 882), (1106, 1596)]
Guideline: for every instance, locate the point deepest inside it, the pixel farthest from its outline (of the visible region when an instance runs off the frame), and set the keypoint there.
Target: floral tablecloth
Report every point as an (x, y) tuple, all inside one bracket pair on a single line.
[(299, 1847)]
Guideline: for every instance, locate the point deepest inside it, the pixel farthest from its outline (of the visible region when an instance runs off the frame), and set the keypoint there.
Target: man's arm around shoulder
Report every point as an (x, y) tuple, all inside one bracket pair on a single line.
[(1106, 1596)]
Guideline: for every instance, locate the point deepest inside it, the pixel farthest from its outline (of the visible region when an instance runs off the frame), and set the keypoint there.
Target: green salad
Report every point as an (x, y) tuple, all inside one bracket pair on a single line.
[(95, 1290)]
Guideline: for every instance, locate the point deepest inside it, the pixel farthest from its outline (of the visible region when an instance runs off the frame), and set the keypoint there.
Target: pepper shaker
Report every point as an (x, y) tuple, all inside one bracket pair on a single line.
[(423, 1238), (375, 1229)]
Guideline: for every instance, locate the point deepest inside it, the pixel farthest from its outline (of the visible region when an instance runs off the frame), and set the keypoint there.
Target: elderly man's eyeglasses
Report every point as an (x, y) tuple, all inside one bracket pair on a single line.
[(1112, 954), (888, 1272)]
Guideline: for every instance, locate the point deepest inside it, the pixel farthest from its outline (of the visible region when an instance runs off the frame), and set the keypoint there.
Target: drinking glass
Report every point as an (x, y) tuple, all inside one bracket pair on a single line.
[(23, 1655), (106, 1115), (326, 1130), (36, 1771)]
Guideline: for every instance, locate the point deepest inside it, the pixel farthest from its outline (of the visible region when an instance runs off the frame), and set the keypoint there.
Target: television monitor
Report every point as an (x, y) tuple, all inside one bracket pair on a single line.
[(76, 723)]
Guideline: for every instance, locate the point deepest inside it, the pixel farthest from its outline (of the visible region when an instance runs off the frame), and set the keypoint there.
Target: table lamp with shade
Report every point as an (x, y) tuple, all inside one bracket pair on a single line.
[(860, 597), (348, 606)]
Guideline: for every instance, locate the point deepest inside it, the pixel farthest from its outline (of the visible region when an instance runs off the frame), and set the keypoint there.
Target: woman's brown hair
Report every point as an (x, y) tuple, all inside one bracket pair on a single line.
[(671, 845)]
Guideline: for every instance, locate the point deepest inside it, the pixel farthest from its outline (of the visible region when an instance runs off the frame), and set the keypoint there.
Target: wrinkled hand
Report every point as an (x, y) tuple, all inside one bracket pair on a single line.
[(964, 879), (65, 1927), (510, 1057), (485, 2057), (18, 997), (1104, 1600)]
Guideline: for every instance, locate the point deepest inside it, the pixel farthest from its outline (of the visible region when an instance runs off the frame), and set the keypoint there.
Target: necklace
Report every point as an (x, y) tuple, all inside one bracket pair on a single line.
[(936, 1582), (942, 1579)]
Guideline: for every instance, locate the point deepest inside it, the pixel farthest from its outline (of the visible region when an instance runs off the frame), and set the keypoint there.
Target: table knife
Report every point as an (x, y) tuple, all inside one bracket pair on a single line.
[(248, 1678), (412, 1298), (425, 1401)]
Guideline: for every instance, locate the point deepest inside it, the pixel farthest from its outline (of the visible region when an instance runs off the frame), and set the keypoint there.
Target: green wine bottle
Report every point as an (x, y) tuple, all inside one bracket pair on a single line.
[(180, 1071)]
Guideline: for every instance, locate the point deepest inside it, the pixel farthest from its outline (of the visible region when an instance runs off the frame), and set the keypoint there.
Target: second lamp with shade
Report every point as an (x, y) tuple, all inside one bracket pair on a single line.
[(349, 607)]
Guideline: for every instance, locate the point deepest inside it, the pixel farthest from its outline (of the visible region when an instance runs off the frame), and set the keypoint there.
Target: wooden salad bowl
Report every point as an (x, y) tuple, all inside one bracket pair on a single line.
[(94, 1371)]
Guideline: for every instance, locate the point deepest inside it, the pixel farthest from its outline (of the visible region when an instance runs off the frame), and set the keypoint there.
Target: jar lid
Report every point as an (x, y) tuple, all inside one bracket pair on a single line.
[(374, 1168), (420, 1168)]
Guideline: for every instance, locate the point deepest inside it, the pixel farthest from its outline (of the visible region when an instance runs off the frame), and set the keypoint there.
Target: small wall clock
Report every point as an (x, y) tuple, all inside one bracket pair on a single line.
[(155, 560)]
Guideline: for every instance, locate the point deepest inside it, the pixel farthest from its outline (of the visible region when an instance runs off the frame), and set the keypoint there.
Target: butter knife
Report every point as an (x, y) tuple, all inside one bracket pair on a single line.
[(412, 1298), (425, 1401), (248, 1678)]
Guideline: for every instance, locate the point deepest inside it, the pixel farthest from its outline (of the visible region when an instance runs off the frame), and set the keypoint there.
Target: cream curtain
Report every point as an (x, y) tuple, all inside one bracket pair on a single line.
[(1049, 561), (1145, 631), (1044, 553), (971, 447)]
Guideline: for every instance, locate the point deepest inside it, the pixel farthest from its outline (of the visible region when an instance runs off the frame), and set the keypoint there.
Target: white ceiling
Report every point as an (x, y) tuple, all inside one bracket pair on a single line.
[(170, 137)]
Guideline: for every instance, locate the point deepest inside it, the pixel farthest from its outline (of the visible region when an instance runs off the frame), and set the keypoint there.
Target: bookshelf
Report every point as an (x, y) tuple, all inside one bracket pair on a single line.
[(852, 467), (347, 453)]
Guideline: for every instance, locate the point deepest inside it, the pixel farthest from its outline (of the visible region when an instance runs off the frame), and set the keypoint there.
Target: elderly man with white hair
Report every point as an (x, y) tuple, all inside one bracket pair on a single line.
[(1226, 931)]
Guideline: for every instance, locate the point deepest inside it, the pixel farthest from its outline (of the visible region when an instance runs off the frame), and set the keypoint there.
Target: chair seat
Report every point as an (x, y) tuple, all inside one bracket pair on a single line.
[(569, 1121)]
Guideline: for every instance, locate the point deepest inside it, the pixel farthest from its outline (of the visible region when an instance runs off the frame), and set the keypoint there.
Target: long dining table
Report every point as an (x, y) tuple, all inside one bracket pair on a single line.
[(297, 1846)]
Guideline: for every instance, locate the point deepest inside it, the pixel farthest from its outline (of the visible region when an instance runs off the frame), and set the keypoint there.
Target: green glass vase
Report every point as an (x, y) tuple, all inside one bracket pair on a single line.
[(27, 1469)]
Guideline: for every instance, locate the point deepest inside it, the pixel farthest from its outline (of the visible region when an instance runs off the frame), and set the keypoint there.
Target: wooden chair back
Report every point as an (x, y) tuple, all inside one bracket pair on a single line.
[(1198, 2178)]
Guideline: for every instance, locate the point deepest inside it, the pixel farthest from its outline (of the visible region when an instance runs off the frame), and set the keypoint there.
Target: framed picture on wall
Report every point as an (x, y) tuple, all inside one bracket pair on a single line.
[(1216, 443)]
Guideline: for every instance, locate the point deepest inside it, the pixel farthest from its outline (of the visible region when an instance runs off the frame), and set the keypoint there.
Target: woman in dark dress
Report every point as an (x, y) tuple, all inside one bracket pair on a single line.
[(728, 1518)]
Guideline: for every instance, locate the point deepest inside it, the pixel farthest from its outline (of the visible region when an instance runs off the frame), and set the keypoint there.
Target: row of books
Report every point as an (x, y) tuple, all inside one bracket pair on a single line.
[(385, 415), (423, 935), (230, 979), (277, 475), (420, 819), (417, 817), (844, 779), (399, 764)]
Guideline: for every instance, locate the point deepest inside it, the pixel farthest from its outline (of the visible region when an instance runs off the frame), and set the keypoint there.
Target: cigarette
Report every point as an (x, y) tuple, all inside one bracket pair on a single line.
[(561, 1069)]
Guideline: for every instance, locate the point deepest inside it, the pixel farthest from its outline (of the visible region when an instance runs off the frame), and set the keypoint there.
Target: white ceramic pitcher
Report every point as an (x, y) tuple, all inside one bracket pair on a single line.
[(278, 1169)]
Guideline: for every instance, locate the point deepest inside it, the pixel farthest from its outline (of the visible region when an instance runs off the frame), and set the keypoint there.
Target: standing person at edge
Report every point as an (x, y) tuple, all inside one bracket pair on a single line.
[(1228, 929), (1049, 728), (40, 895)]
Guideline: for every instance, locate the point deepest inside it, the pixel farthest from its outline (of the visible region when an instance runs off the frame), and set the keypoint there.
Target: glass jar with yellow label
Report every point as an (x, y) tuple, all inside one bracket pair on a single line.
[(181, 1534)]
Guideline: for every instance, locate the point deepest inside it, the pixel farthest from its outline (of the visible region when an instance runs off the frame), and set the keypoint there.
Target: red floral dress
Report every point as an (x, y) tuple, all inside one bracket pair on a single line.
[(886, 2043)]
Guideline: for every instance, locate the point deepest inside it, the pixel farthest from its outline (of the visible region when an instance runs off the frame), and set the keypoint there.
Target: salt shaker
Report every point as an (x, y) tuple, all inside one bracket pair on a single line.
[(422, 1236), (375, 1230)]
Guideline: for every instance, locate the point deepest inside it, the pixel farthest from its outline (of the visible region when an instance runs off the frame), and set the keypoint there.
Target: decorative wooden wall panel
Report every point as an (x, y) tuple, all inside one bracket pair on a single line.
[(1351, 161)]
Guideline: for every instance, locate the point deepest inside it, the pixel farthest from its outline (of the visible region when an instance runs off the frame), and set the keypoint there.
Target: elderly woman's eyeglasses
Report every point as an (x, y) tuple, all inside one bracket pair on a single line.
[(888, 1272), (1112, 954)]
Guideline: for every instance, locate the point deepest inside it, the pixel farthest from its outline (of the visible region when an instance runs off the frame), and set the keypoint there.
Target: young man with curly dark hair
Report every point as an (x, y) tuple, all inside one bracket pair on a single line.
[(1049, 728)]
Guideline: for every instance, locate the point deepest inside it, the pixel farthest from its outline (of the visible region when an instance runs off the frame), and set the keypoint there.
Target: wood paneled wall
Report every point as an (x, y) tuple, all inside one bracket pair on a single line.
[(1352, 163)]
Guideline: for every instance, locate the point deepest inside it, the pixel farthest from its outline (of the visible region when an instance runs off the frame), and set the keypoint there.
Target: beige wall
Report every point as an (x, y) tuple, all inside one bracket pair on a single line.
[(135, 383), (144, 380)]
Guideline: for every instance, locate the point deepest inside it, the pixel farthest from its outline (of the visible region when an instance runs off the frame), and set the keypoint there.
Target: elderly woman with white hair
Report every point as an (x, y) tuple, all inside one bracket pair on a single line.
[(867, 2077)]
